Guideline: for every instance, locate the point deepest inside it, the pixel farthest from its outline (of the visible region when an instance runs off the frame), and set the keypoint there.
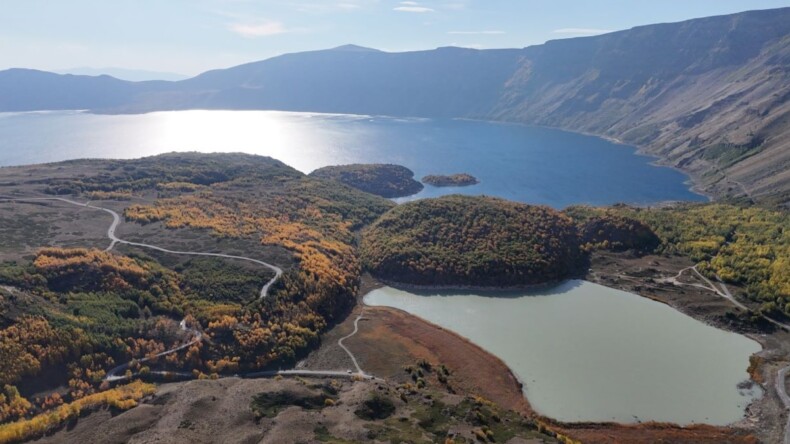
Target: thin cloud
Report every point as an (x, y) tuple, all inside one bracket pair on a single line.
[(457, 6), (258, 29), (329, 7), (582, 31), (410, 6), (413, 9), (476, 32)]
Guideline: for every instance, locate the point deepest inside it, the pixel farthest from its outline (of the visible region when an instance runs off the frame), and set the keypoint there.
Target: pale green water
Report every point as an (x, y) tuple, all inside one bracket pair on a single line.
[(590, 353)]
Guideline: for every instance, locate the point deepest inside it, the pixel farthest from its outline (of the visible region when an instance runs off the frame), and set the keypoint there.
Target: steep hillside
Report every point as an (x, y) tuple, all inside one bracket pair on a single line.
[(709, 96)]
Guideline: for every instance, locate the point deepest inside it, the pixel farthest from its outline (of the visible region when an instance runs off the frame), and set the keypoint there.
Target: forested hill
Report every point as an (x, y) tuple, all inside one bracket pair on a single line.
[(709, 96), (465, 241)]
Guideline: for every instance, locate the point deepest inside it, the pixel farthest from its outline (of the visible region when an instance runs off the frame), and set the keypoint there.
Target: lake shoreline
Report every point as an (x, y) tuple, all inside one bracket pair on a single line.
[(568, 428), (692, 181), (595, 297), (598, 432), (467, 288), (423, 145), (763, 417)]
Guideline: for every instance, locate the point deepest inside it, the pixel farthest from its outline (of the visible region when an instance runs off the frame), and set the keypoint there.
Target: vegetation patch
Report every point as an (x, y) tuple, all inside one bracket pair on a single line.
[(473, 419), (322, 434), (376, 407), (383, 180), (471, 241), (121, 398), (747, 246), (728, 154), (452, 180), (222, 280), (617, 233), (270, 404)]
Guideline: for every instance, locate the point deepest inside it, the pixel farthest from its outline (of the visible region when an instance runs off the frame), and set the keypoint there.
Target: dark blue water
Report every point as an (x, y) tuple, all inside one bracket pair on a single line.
[(533, 165)]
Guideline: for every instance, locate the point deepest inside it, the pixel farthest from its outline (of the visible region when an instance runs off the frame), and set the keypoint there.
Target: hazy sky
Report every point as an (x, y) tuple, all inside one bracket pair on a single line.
[(190, 36)]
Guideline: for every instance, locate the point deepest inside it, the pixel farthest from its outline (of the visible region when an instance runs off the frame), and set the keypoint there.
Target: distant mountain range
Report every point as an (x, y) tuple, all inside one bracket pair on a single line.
[(710, 96), (134, 75)]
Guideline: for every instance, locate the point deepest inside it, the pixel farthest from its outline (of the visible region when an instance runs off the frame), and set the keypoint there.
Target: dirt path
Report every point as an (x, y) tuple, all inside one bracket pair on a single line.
[(351, 355)]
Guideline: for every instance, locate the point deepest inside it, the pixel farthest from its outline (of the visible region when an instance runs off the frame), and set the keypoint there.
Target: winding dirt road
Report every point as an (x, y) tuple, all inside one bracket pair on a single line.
[(113, 374), (114, 240)]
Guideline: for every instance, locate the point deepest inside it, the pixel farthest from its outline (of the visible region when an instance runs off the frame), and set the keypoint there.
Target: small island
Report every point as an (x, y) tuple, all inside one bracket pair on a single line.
[(465, 241), (451, 180), (385, 180)]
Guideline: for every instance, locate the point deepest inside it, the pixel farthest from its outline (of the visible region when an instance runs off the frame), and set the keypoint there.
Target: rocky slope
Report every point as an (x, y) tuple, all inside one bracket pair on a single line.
[(236, 410), (709, 96)]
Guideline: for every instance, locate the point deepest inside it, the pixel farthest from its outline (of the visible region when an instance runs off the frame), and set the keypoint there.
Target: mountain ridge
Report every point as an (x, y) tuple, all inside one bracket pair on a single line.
[(710, 96)]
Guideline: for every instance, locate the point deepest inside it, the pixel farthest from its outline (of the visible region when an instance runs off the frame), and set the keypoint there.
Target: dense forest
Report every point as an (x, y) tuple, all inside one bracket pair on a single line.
[(451, 180), (618, 233), (471, 241), (383, 180), (747, 246)]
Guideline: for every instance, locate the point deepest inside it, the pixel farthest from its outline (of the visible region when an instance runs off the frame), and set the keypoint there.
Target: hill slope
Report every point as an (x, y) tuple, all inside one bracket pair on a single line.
[(446, 82), (32, 90)]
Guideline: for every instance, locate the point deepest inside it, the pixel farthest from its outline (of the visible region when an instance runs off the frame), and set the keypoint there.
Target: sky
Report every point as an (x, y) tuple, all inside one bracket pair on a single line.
[(192, 36)]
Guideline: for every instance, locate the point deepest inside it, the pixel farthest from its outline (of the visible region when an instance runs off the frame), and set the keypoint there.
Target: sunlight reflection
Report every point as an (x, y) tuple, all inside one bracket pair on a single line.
[(269, 133)]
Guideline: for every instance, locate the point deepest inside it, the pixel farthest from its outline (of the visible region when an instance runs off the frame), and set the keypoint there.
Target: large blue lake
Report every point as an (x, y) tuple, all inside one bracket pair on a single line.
[(534, 165)]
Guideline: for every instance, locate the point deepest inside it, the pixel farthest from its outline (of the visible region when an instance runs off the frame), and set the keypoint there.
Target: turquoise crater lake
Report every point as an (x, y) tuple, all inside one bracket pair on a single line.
[(526, 164), (591, 353)]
